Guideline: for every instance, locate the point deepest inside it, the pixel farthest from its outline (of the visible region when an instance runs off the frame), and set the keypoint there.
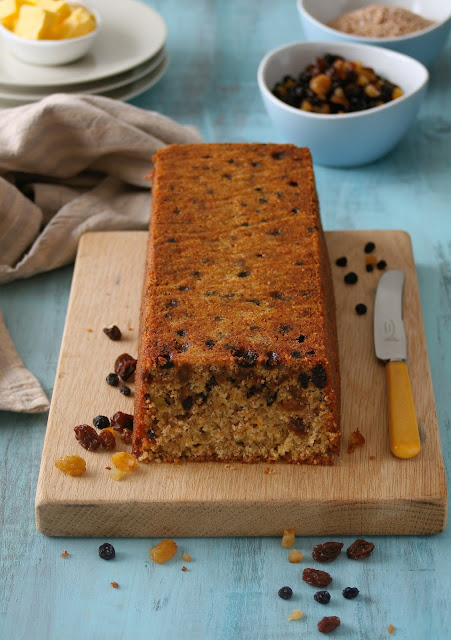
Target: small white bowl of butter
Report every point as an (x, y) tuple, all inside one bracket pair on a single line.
[(48, 32)]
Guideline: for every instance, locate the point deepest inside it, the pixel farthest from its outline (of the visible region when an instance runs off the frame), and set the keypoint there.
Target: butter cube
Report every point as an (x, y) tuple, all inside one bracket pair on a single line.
[(9, 11), (78, 23), (34, 23), (58, 7)]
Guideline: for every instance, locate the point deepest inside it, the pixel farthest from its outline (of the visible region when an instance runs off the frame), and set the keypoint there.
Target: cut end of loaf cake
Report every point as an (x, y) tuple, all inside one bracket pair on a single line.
[(238, 357)]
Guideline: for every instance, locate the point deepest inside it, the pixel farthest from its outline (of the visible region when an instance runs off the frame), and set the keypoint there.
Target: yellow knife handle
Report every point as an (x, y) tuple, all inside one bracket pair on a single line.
[(402, 422)]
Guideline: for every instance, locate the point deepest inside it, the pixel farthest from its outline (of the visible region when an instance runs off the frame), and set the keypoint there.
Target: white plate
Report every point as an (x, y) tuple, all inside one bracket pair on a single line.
[(125, 92), (131, 34), (112, 82)]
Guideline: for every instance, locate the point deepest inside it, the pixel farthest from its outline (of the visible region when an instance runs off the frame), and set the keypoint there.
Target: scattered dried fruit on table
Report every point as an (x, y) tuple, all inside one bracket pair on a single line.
[(184, 568), (64, 554), (361, 309), (186, 557), (124, 461), (327, 552), (391, 629), (369, 247), (359, 549), (121, 421), (295, 556), (285, 593), (350, 593), (323, 597), (355, 440), (381, 265), (107, 440), (328, 624), (112, 379), (101, 422), (341, 262), (351, 278), (114, 585), (288, 538), (163, 551), (72, 465), (296, 614), (316, 577), (113, 332), (87, 437), (107, 551), (125, 366)]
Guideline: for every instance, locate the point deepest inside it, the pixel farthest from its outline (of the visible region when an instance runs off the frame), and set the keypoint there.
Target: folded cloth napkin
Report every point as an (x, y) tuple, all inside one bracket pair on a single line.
[(72, 163)]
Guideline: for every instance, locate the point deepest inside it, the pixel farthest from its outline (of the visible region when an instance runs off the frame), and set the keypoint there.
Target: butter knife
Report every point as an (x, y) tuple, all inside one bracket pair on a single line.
[(391, 346)]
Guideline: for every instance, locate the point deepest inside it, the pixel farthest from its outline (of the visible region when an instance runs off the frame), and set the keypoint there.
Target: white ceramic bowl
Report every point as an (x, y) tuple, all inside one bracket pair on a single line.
[(347, 139), (51, 53), (423, 45)]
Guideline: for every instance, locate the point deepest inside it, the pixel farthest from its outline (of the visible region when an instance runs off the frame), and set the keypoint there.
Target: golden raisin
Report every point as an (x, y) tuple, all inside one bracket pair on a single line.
[(295, 556), (72, 465), (288, 538), (163, 551), (320, 83), (124, 461), (186, 557), (396, 93), (296, 614)]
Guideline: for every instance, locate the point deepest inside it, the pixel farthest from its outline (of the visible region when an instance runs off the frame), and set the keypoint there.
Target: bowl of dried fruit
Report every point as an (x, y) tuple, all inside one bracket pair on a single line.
[(418, 28), (349, 103), (48, 33)]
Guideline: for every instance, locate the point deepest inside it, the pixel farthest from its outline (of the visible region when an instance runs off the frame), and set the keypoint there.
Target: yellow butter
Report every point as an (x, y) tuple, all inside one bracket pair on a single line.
[(34, 23), (9, 12), (78, 23), (58, 7)]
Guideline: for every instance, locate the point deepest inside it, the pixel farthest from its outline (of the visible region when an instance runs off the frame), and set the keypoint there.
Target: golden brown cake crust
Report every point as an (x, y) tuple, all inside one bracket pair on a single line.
[(238, 287)]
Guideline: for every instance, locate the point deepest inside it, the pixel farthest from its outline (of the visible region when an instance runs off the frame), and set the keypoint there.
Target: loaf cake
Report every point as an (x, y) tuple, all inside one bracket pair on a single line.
[(238, 357)]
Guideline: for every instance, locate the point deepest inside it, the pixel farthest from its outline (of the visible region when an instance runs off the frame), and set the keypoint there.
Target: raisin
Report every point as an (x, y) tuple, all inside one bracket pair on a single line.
[(112, 379), (296, 354), (328, 624), (164, 361), (381, 265), (369, 247), (271, 398), (163, 551), (303, 380), (359, 549), (244, 274), (125, 366), (350, 592), (316, 577), (341, 262), (272, 360), (360, 309), (285, 593), (72, 465), (127, 436), (369, 268), (124, 461), (319, 376), (101, 422), (351, 278), (323, 597), (245, 358), (126, 391), (106, 551), (113, 332), (87, 437), (107, 440), (253, 390), (122, 421), (327, 552), (300, 338), (151, 434), (297, 425)]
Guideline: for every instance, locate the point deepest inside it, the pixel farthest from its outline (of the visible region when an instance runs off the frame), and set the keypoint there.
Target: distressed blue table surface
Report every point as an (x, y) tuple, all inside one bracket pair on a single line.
[(230, 588)]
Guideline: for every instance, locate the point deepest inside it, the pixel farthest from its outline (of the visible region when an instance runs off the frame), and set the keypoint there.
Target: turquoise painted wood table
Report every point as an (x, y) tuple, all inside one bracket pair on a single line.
[(229, 590)]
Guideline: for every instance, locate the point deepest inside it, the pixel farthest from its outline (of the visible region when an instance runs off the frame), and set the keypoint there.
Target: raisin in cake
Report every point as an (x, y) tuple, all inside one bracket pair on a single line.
[(238, 356)]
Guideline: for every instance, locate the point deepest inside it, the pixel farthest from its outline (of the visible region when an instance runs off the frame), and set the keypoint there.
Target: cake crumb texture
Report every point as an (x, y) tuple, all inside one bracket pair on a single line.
[(238, 357)]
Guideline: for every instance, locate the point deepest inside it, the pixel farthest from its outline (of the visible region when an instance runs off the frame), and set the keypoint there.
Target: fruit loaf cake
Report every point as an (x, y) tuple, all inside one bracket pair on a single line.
[(238, 356)]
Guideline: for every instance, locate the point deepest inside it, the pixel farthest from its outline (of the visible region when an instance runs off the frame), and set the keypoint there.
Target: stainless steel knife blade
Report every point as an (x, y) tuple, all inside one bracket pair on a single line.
[(389, 333)]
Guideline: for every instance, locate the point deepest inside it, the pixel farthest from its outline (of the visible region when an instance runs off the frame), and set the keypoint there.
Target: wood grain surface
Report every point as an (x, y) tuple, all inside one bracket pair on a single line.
[(368, 491)]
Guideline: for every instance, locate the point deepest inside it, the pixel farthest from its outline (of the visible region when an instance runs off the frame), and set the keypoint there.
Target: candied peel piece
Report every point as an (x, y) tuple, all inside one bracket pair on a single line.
[(288, 538), (296, 614), (124, 461), (186, 557), (295, 556), (163, 551), (72, 465)]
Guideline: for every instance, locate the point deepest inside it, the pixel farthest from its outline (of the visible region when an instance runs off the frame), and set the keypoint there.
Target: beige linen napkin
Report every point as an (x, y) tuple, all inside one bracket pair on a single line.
[(70, 163)]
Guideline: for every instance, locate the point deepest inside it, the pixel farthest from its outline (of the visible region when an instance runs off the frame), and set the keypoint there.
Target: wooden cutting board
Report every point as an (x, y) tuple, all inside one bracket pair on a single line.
[(366, 492)]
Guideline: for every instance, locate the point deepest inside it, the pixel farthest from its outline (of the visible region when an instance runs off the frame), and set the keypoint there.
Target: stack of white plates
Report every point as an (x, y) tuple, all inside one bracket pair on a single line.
[(127, 58)]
